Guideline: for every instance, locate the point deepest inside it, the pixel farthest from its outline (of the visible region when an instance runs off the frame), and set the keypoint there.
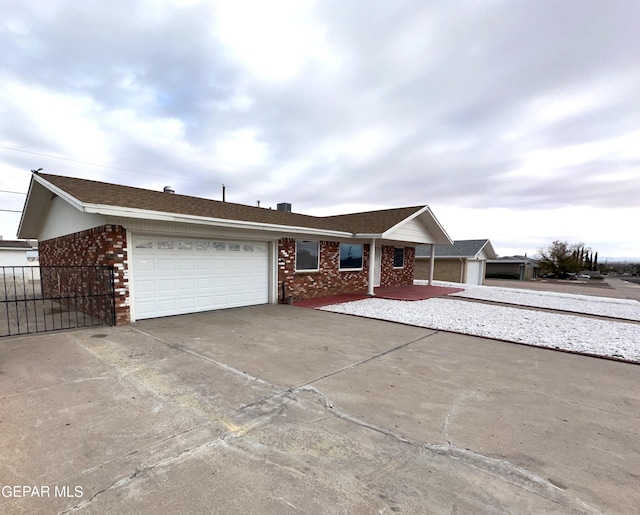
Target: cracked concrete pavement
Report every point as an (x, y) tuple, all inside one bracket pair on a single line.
[(279, 409)]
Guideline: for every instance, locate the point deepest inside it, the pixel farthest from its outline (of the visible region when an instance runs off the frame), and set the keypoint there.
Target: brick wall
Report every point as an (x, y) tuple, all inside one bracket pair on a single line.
[(330, 280), (397, 276), (444, 269), (101, 246)]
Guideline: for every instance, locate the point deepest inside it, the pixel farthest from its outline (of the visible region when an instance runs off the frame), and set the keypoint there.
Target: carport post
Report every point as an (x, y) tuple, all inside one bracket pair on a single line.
[(372, 265), (432, 260)]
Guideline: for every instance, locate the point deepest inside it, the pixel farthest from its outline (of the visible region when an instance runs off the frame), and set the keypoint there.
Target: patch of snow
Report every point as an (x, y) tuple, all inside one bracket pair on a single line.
[(552, 330), (605, 306)]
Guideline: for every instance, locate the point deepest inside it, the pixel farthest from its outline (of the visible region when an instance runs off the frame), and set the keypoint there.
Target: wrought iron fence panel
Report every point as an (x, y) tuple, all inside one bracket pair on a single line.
[(48, 298)]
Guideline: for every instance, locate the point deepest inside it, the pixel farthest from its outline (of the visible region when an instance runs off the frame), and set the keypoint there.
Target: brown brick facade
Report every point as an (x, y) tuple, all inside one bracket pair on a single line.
[(101, 246), (397, 276), (443, 269), (329, 280)]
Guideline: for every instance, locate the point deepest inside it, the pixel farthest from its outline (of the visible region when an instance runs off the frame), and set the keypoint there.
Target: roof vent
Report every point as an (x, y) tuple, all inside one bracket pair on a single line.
[(169, 189), (284, 206)]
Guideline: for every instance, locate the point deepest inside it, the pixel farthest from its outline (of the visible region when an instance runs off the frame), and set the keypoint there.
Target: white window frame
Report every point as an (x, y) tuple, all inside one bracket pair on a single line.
[(340, 257), (317, 269)]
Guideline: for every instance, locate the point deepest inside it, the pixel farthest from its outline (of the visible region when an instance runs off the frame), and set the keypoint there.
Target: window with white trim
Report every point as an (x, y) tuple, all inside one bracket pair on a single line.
[(307, 256), (398, 257), (351, 256)]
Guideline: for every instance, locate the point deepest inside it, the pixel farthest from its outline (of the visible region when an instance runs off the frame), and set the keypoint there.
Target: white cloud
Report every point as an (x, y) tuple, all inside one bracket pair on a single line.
[(67, 122), (240, 148), (274, 40)]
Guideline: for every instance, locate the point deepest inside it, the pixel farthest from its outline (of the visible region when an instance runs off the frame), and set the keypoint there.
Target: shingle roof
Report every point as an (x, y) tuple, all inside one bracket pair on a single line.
[(106, 194), (374, 221), (460, 248), (514, 259)]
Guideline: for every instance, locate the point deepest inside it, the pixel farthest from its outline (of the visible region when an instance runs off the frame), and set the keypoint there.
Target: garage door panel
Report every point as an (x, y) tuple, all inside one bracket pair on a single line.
[(185, 284), (186, 304), (234, 281), (145, 286), (144, 265), (185, 264), (179, 275), (165, 285), (204, 264), (220, 282), (204, 283), (167, 305), (165, 264)]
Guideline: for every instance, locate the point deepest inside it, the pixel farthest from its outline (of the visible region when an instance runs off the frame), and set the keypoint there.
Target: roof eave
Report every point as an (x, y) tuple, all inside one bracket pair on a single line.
[(441, 237), (35, 207), (490, 251)]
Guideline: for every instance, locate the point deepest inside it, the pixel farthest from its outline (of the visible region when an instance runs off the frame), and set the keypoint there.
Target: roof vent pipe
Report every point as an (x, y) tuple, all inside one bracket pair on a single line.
[(169, 189)]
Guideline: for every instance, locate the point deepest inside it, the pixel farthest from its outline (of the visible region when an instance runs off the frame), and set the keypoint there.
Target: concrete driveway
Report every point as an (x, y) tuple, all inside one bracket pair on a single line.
[(280, 409)]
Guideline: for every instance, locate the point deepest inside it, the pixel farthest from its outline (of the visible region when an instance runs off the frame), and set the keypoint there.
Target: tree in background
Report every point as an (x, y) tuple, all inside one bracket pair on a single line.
[(595, 263), (561, 258)]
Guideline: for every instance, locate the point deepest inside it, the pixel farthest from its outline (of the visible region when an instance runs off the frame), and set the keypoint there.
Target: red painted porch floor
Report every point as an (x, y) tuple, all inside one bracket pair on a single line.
[(415, 292)]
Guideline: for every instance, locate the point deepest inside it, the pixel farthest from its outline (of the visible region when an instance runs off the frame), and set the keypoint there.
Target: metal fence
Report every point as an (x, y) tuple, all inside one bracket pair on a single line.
[(49, 298)]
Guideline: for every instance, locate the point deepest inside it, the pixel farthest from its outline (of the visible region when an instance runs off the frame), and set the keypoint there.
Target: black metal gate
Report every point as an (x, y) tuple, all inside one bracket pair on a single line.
[(49, 298)]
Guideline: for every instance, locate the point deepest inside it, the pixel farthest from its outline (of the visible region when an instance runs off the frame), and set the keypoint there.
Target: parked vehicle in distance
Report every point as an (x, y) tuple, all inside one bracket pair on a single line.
[(583, 276)]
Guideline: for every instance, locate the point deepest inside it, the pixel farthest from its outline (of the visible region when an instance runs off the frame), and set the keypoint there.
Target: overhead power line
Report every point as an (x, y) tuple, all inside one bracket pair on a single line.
[(119, 168), (14, 192), (84, 162)]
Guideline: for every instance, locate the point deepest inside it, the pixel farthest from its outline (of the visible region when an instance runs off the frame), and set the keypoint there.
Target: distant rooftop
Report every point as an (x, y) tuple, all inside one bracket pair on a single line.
[(460, 249), (15, 244)]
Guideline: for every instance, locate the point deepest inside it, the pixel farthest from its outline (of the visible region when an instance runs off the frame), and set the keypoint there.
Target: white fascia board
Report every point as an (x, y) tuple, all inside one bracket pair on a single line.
[(367, 236), (489, 250), (433, 217), (221, 222), (425, 209), (60, 193), (24, 210), (402, 222)]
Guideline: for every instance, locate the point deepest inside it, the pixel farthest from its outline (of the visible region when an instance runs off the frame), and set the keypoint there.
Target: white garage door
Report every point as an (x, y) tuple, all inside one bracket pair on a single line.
[(173, 276), (474, 272)]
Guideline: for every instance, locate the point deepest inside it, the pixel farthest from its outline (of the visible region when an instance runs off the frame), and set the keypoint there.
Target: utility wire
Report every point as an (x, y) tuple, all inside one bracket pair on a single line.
[(14, 192), (116, 168), (86, 162), (11, 210)]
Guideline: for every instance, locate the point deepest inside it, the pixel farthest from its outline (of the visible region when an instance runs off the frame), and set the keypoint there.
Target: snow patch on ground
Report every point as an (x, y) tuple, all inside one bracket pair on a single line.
[(625, 309), (559, 331)]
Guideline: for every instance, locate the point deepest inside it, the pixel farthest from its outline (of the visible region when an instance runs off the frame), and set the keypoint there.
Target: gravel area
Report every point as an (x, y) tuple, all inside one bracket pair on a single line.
[(559, 331), (616, 308)]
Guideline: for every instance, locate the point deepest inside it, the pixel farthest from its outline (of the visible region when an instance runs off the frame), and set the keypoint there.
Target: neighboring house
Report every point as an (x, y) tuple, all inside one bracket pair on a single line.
[(512, 267), (463, 262), (175, 254), (18, 253)]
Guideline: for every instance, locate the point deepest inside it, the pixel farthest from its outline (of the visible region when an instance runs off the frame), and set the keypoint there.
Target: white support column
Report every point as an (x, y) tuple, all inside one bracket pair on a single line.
[(432, 260), (372, 266)]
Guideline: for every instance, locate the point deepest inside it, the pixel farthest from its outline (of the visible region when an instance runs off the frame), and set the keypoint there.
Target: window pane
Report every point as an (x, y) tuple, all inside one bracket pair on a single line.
[(398, 257), (350, 256), (307, 255)]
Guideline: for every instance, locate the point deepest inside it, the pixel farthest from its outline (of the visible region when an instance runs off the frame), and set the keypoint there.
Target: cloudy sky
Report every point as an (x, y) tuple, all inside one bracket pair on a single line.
[(515, 121)]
